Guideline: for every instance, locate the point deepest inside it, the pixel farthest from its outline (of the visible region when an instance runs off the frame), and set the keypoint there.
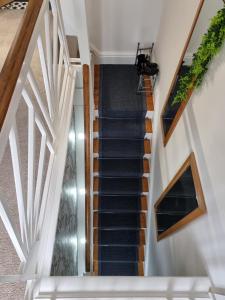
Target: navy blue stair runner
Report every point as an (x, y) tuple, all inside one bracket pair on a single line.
[(121, 148)]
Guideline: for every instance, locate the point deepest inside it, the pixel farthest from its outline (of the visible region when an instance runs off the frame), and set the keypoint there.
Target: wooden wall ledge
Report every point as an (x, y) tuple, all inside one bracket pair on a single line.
[(86, 84)]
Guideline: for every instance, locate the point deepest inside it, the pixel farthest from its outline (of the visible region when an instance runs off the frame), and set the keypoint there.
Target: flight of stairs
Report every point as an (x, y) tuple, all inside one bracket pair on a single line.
[(122, 148)]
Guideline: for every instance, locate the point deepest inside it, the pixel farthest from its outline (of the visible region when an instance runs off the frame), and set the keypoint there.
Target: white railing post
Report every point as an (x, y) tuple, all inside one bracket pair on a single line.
[(30, 169)]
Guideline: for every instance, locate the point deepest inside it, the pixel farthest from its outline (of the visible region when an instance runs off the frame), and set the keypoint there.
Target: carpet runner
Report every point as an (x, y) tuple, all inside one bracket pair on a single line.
[(120, 188)]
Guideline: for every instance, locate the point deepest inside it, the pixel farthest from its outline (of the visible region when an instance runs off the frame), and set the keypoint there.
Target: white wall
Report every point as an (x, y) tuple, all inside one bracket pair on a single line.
[(199, 248), (75, 24), (116, 26)]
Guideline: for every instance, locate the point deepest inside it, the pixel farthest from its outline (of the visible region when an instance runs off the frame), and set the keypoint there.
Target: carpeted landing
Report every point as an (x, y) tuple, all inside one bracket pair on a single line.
[(121, 167)]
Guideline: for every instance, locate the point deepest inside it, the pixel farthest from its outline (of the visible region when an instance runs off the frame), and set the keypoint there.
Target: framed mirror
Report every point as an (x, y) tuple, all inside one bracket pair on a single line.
[(181, 202), (172, 112)]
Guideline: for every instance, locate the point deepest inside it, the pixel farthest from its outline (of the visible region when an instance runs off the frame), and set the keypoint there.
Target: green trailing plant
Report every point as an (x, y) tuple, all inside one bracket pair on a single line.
[(211, 44)]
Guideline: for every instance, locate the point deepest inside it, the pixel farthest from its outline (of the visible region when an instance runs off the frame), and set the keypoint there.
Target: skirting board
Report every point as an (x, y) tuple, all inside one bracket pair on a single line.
[(110, 57)]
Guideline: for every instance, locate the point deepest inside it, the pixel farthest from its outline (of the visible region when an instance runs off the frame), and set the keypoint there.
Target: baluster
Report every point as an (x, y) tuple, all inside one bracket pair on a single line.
[(37, 94), (63, 91), (15, 155), (12, 232), (45, 77), (30, 169), (46, 189), (38, 189), (59, 75)]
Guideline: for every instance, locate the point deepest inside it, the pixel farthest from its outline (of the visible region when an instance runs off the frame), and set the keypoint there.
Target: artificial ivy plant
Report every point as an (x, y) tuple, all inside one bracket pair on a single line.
[(211, 43)]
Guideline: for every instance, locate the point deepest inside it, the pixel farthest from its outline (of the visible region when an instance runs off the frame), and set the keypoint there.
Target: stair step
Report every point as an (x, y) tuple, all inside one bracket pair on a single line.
[(125, 148), (119, 237), (119, 220), (121, 167), (132, 128), (119, 253), (122, 203), (119, 268), (121, 186)]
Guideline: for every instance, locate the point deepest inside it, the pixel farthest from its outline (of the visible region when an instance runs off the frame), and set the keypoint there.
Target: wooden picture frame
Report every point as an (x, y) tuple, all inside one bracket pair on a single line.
[(200, 210), (166, 136)]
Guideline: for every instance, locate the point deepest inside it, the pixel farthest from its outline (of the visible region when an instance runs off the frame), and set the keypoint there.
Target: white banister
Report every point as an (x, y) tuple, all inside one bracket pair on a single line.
[(45, 89)]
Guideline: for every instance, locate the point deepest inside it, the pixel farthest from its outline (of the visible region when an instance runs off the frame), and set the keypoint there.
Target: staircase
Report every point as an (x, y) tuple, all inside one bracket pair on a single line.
[(121, 167)]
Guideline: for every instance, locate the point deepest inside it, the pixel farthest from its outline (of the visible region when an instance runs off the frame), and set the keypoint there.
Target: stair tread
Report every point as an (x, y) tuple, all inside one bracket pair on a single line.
[(135, 203), (119, 237), (120, 148), (120, 220), (132, 128), (121, 167), (118, 253)]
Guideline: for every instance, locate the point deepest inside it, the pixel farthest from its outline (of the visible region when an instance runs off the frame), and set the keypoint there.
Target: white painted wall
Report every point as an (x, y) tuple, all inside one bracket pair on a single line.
[(199, 248), (75, 24), (116, 26)]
